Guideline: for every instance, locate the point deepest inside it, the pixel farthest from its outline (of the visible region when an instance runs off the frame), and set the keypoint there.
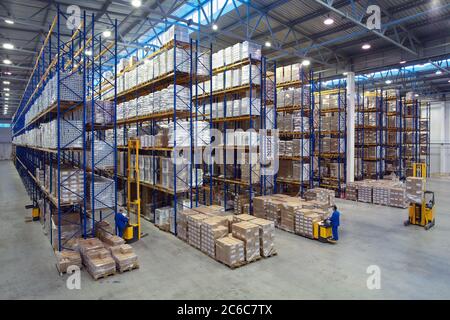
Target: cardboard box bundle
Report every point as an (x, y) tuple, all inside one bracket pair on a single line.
[(266, 236), (287, 214), (304, 222), (124, 257), (67, 258), (163, 218), (230, 251), (365, 193), (194, 229), (415, 187), (182, 223), (351, 191), (320, 194), (99, 262), (259, 206), (212, 229), (397, 197), (249, 234), (380, 194), (273, 211)]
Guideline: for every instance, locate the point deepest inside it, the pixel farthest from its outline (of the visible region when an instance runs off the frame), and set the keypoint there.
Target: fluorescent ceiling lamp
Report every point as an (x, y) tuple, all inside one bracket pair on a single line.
[(6, 94), (345, 73), (136, 3), (106, 33), (306, 62), (8, 73), (388, 81), (438, 72), (366, 46), (215, 27), (5, 89), (268, 44), (6, 61), (403, 62), (6, 82), (8, 46), (9, 21), (328, 21)]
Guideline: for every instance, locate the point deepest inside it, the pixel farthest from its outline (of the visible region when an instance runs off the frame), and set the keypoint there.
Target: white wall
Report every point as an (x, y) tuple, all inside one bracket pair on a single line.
[(5, 143), (440, 137)]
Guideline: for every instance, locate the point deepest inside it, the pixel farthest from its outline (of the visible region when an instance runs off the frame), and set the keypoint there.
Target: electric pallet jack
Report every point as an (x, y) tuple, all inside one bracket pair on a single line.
[(322, 232), (422, 214)]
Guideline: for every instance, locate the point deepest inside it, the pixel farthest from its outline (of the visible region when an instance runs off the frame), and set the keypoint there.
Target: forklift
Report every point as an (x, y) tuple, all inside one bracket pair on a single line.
[(422, 214), (322, 231)]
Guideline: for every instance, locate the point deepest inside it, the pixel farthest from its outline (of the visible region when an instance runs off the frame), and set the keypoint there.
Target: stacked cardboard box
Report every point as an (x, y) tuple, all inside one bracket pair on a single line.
[(230, 251), (194, 229), (124, 257), (287, 214), (415, 187), (304, 222), (67, 258), (397, 197), (96, 258), (266, 236), (273, 211), (380, 194), (321, 195), (212, 229), (351, 191), (182, 223), (365, 193), (249, 233)]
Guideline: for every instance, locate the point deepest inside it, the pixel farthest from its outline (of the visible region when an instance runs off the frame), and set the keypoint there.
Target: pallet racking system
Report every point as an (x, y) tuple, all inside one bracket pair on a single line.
[(56, 135), (331, 161), (297, 104)]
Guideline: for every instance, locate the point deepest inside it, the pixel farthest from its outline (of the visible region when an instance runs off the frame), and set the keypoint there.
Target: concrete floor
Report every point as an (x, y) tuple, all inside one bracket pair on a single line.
[(414, 263)]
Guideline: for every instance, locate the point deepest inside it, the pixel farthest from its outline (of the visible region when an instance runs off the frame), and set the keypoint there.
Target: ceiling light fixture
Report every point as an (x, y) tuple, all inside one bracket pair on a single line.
[(5, 89), (6, 94), (268, 44), (8, 46), (136, 3), (215, 27), (388, 81), (88, 52), (6, 98), (7, 61), (366, 46), (306, 63), (438, 72), (6, 82), (416, 95), (8, 73), (328, 21), (9, 21), (106, 33), (403, 62), (345, 73)]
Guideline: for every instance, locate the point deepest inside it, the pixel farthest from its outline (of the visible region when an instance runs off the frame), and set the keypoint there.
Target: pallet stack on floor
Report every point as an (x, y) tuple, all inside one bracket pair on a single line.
[(384, 192), (233, 240), (294, 214), (103, 256)]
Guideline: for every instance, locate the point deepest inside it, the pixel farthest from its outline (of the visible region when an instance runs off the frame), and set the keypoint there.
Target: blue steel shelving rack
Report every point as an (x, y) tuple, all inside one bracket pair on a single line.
[(338, 183), (307, 87), (246, 121), (193, 111), (60, 58)]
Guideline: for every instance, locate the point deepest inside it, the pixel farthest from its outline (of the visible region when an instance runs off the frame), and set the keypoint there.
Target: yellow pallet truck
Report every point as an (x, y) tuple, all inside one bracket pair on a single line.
[(322, 232), (422, 214)]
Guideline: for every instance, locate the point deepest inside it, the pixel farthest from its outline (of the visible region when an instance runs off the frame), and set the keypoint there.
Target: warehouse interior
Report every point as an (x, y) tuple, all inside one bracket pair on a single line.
[(225, 149)]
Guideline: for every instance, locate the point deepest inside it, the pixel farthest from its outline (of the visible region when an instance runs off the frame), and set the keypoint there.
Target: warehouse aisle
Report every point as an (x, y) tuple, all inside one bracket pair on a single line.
[(414, 263)]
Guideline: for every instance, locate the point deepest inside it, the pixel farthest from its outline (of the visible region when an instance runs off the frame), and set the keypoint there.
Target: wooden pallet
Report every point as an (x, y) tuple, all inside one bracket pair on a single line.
[(271, 255), (102, 276), (129, 268)]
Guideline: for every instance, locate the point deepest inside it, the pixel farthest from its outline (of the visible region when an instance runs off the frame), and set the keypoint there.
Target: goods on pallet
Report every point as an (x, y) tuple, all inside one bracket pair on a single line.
[(287, 213), (99, 112), (242, 217), (415, 187), (124, 257), (397, 197), (259, 206), (103, 154), (86, 245), (67, 258), (99, 263), (266, 236), (351, 191), (380, 195), (365, 193), (71, 183), (304, 222), (230, 251), (273, 208), (211, 229), (182, 223), (194, 229), (321, 195), (163, 218), (181, 135), (249, 233)]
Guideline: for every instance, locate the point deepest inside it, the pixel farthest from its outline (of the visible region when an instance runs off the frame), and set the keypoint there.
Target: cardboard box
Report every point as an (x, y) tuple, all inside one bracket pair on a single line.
[(230, 251)]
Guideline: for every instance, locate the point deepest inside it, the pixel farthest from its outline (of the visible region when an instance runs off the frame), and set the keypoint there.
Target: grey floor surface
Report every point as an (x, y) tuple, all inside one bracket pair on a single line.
[(414, 263)]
